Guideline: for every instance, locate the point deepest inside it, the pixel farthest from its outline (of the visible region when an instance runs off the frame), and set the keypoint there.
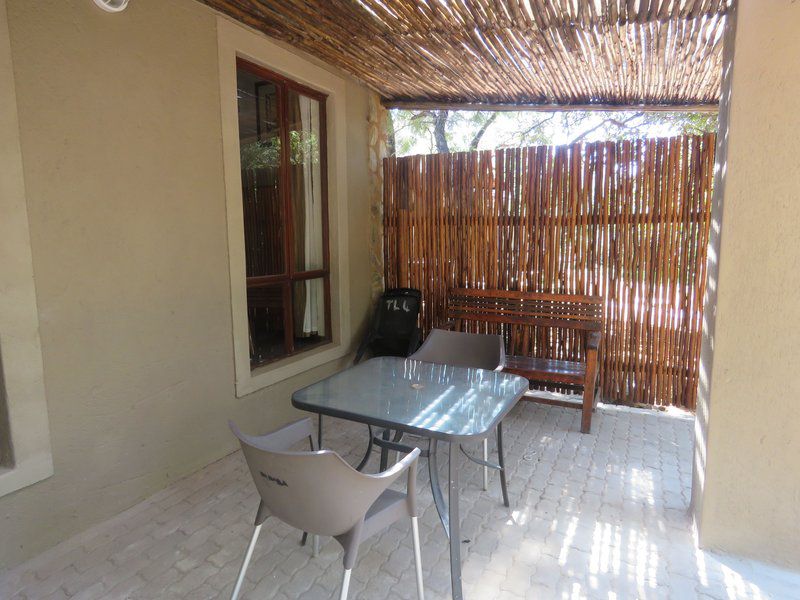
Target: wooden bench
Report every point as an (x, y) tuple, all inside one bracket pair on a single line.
[(582, 313)]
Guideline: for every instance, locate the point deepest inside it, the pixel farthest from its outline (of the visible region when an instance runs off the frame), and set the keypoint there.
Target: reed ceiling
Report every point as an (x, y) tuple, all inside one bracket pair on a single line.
[(563, 52)]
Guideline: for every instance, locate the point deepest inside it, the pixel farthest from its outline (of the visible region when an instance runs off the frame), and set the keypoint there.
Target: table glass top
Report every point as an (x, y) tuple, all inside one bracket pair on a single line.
[(440, 400)]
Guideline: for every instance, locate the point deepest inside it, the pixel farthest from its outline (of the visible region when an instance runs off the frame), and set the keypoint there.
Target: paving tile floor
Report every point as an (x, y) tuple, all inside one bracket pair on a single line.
[(592, 516)]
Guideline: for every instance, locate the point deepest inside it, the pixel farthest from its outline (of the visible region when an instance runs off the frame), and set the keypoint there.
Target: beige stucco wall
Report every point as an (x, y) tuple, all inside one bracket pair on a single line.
[(120, 133), (23, 406), (750, 500)]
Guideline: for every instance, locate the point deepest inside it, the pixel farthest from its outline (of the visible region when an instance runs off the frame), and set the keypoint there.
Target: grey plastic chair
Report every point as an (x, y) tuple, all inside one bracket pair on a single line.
[(477, 351), (319, 493)]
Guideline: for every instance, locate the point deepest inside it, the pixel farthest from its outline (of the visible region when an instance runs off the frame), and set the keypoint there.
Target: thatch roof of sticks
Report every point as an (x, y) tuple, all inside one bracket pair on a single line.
[(548, 52)]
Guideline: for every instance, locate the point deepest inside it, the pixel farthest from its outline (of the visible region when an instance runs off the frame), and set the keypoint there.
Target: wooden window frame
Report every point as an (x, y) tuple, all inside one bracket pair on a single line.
[(290, 276)]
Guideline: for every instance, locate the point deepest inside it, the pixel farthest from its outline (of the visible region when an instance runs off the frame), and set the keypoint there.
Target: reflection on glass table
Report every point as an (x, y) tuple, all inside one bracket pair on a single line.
[(445, 404)]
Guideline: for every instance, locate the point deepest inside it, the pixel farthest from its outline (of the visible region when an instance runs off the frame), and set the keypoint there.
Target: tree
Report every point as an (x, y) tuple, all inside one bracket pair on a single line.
[(440, 130), (476, 139), (432, 131), (435, 131)]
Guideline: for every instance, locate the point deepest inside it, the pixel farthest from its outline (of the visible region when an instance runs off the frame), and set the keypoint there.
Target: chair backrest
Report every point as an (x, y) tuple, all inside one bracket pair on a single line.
[(314, 491), (570, 311), (477, 350), (395, 321)]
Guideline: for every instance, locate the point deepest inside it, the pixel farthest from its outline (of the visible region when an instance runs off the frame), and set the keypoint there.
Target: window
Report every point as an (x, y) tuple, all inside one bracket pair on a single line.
[(235, 45), (282, 149)]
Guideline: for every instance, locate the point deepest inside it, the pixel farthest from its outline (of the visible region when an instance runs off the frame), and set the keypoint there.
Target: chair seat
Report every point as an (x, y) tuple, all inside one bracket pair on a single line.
[(546, 369)]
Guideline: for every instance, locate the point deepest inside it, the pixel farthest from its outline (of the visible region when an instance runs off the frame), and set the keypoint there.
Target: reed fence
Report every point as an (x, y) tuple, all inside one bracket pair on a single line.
[(627, 220)]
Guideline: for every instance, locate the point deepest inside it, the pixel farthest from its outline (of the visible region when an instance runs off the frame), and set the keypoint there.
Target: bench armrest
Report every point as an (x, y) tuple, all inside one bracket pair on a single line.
[(449, 325), (593, 340)]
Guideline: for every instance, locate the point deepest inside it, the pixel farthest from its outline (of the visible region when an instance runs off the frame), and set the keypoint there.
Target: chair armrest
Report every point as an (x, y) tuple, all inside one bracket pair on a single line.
[(593, 340), (409, 462), (411, 485), (400, 466)]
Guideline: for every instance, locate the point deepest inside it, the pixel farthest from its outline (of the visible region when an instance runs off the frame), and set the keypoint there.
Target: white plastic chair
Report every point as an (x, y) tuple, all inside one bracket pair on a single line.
[(319, 493)]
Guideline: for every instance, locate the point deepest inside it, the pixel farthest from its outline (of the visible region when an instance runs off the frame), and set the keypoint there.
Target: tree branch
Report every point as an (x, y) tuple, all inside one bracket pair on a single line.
[(439, 131), (621, 124), (473, 145)]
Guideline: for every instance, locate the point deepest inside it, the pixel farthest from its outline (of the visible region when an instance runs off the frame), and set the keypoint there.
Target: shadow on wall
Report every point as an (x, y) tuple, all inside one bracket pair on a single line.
[(712, 272), (6, 449)]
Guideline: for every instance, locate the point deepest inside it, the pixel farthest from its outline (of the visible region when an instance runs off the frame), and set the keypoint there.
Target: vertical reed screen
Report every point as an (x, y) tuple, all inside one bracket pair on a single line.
[(626, 220)]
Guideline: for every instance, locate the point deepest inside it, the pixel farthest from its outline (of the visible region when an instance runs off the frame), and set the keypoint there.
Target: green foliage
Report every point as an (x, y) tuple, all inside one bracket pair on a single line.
[(261, 154), (692, 123)]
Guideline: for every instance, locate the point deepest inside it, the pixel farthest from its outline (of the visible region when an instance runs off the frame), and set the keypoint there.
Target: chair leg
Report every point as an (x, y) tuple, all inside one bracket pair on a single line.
[(485, 469), (345, 584), (314, 543), (247, 556), (417, 557)]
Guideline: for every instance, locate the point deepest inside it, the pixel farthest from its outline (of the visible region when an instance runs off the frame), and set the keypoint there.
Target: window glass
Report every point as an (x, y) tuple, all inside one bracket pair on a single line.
[(260, 153), (266, 318)]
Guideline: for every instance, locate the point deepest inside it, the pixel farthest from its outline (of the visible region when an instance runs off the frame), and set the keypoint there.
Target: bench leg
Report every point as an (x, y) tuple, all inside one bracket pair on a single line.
[(587, 409), (588, 391)]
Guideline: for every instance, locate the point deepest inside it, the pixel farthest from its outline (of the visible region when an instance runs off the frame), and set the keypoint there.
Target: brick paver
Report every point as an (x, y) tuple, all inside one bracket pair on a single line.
[(592, 516)]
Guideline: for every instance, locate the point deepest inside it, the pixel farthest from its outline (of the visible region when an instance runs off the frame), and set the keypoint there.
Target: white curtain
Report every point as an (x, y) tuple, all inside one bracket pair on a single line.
[(314, 313)]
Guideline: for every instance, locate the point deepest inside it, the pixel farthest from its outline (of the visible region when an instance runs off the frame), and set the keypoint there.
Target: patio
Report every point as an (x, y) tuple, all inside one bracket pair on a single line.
[(200, 206), (592, 516)]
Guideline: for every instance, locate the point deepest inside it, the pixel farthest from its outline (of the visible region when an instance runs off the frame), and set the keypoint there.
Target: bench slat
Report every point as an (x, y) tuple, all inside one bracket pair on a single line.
[(531, 309), (474, 292), (553, 310), (546, 369), (526, 320)]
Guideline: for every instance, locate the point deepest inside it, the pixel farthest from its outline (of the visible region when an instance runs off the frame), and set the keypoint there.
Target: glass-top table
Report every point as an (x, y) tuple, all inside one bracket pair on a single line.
[(439, 402)]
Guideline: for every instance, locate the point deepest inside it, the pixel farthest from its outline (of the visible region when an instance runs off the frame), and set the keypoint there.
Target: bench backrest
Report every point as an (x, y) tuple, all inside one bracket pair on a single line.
[(526, 308)]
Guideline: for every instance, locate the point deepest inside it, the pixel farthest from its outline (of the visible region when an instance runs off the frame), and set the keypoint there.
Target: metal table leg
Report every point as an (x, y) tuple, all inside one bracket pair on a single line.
[(436, 489), (367, 454), (502, 461), (385, 451), (455, 524), (448, 513)]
